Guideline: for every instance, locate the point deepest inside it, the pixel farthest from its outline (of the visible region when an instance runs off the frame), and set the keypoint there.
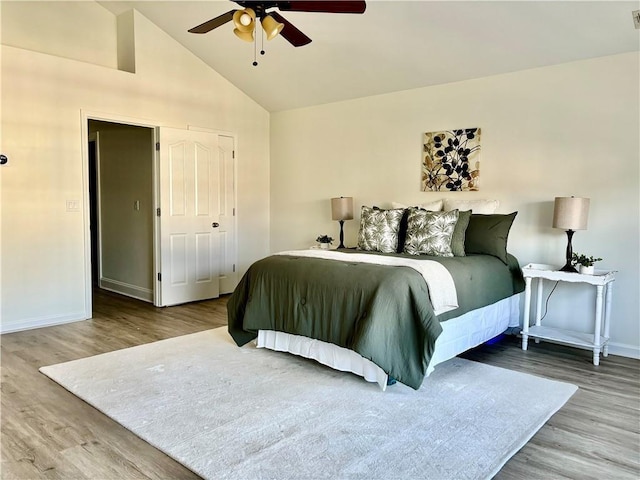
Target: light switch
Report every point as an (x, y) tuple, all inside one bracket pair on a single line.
[(136, 205), (73, 206)]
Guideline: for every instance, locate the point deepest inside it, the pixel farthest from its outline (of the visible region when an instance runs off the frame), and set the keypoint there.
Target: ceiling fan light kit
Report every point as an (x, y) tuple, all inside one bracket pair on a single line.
[(245, 23), (271, 27), (272, 22)]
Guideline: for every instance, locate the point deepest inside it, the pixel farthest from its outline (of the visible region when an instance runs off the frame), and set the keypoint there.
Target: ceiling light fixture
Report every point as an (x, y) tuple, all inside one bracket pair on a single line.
[(245, 25), (271, 27), (272, 22)]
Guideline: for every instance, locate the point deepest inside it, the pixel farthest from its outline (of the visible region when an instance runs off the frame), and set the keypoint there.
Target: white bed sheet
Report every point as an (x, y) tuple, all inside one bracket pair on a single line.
[(458, 335)]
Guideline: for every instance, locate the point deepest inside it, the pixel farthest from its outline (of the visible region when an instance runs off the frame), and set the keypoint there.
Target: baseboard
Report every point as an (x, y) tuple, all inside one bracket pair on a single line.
[(615, 348), (41, 322), (134, 291), (624, 350)]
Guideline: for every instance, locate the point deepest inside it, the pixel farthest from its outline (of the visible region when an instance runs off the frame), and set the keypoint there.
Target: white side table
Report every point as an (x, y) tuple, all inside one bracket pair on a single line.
[(598, 341)]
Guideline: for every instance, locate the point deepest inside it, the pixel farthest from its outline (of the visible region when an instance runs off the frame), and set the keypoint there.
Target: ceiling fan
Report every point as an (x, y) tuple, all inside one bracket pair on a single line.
[(272, 22)]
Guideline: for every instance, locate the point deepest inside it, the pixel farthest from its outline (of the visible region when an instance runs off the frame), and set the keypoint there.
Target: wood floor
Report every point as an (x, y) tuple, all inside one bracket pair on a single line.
[(48, 433)]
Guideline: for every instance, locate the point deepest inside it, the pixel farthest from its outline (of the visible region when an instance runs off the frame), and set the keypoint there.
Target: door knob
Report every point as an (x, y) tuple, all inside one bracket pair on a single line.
[(215, 225)]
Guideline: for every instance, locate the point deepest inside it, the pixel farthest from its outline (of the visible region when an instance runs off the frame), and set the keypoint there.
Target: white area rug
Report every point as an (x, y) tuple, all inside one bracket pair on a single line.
[(245, 413)]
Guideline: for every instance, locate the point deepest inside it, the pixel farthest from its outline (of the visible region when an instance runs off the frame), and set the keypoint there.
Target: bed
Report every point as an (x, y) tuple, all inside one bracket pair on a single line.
[(387, 311)]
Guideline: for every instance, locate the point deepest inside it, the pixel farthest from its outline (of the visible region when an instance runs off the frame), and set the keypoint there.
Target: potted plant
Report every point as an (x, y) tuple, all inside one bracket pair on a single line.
[(324, 241), (584, 263)]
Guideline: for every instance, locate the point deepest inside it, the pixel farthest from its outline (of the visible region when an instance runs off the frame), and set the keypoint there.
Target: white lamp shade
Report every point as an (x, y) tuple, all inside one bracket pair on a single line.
[(571, 213), (342, 208)]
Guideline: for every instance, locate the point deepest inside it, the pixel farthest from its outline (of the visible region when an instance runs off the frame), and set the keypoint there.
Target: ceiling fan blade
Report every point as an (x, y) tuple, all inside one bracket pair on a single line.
[(326, 6), (213, 23), (290, 33)]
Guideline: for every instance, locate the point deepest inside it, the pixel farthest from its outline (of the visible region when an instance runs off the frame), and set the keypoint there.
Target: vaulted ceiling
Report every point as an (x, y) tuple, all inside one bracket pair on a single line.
[(396, 45)]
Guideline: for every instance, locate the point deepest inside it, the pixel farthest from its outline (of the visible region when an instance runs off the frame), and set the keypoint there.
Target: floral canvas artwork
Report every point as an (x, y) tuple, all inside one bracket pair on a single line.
[(451, 160)]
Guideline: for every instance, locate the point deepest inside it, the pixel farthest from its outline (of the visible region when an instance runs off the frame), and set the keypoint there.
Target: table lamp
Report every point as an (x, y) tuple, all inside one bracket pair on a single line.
[(341, 210), (570, 214)]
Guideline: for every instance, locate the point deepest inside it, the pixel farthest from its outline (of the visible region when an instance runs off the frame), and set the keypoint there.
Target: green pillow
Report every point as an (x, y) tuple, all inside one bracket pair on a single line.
[(457, 239), (488, 234)]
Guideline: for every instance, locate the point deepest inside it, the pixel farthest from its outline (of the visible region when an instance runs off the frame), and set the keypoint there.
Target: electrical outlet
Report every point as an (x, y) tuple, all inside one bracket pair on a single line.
[(636, 19)]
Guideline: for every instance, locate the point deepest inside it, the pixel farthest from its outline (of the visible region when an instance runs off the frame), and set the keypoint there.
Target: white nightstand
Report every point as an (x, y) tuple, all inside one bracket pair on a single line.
[(601, 279)]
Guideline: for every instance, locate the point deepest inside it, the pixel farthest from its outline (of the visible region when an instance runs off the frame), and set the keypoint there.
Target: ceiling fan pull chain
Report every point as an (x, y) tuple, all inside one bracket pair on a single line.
[(255, 49), (262, 52)]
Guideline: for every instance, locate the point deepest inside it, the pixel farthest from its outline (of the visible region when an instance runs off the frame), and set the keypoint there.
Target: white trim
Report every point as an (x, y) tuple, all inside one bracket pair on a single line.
[(157, 287), (115, 118), (616, 349), (123, 288), (40, 322), (235, 202), (84, 139), (622, 350), (212, 130)]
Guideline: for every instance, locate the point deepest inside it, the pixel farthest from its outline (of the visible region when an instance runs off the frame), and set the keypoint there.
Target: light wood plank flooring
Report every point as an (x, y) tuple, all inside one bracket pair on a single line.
[(48, 433)]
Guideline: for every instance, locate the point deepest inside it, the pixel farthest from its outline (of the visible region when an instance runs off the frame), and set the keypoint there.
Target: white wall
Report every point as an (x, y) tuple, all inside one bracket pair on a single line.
[(43, 250), (39, 27), (570, 129)]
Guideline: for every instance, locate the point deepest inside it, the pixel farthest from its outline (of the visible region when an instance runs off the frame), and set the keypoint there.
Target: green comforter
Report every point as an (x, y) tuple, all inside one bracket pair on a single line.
[(381, 312)]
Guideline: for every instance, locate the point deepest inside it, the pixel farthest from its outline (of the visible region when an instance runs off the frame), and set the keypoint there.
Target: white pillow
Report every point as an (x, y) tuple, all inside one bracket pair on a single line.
[(434, 206), (485, 207)]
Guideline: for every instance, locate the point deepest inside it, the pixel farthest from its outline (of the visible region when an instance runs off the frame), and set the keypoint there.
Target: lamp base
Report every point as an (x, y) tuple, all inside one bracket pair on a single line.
[(569, 255), (341, 235), (569, 268)]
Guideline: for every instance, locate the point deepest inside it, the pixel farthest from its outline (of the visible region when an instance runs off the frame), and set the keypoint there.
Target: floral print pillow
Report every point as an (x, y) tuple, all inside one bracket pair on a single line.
[(429, 233), (379, 229)]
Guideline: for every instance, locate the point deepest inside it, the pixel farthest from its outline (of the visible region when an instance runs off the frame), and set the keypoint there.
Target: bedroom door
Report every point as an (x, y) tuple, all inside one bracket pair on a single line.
[(189, 216)]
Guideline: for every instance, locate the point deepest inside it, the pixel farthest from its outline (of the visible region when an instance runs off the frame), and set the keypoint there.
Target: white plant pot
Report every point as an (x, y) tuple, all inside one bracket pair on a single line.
[(587, 270), (324, 246)]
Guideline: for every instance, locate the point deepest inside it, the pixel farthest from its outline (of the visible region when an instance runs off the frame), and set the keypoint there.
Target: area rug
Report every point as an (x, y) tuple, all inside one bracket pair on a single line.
[(246, 413)]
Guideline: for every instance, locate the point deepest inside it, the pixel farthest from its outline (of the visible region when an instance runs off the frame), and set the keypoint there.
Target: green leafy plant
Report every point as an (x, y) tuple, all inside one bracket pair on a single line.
[(579, 259), (324, 239)]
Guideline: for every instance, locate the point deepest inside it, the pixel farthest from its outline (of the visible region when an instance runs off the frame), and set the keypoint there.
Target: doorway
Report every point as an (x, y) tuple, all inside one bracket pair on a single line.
[(139, 197), (121, 160)]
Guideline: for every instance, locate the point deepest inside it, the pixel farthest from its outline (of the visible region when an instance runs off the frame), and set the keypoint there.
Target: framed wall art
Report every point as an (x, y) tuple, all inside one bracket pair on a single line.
[(451, 160)]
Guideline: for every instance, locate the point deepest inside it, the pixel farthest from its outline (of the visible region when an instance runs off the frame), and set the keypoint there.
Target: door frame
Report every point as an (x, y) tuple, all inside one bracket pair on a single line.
[(85, 116)]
